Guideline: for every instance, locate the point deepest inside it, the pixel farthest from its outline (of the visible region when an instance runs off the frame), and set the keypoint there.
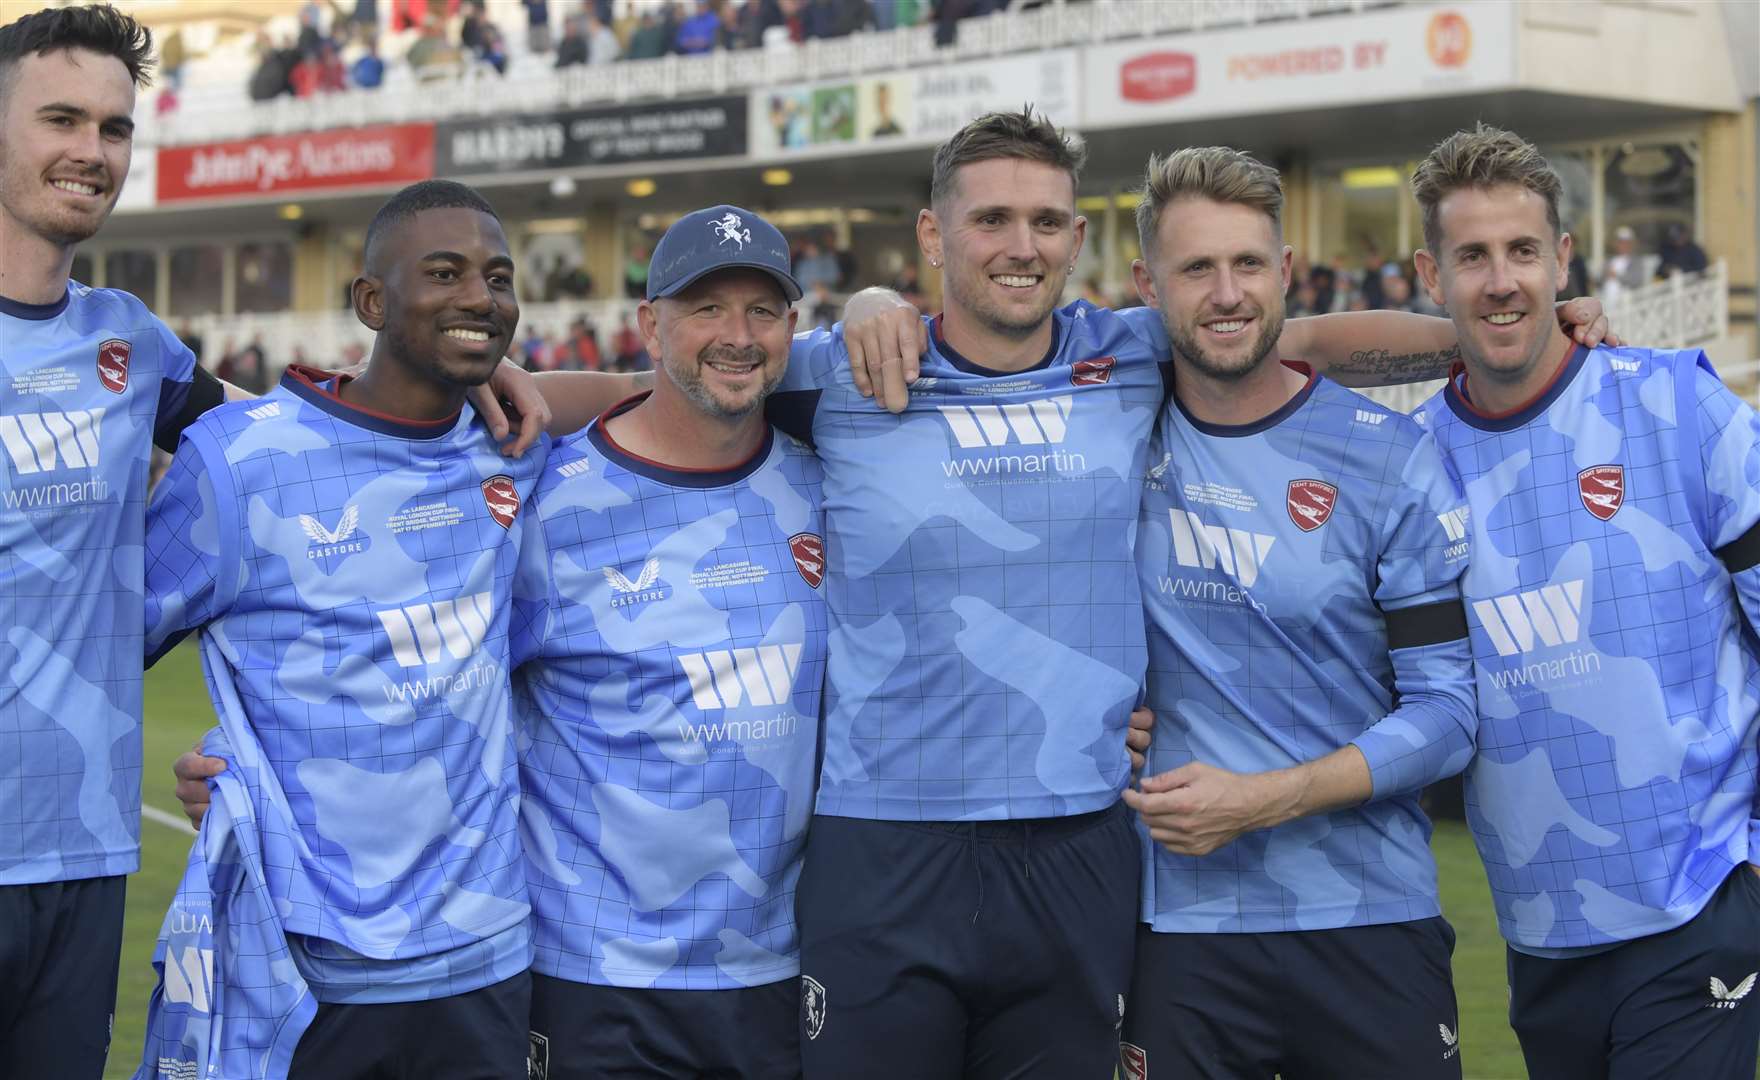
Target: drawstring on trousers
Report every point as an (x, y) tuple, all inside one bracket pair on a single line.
[(978, 860)]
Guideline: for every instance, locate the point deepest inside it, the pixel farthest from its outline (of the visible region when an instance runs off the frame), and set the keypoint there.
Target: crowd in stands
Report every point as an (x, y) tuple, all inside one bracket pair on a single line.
[(581, 347), (337, 48)]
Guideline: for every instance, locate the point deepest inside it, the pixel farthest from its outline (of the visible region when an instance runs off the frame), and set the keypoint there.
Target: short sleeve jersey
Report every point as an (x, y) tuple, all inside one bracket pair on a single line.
[(353, 573), (85, 385), (986, 625), (1615, 781), (669, 713), (1301, 578)]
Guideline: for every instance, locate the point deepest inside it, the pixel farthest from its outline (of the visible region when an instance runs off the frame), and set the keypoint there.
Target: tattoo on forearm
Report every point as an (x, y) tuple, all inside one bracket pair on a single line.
[(1379, 366)]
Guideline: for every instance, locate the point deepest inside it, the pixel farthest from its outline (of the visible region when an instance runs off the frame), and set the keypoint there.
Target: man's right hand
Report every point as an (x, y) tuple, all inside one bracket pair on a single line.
[(192, 771), (885, 335)]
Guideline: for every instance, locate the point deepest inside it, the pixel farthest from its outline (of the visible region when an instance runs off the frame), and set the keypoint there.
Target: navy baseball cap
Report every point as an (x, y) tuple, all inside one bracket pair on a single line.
[(719, 238)]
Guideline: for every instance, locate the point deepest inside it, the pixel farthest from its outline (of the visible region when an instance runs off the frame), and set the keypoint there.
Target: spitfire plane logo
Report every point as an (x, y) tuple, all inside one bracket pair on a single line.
[(1310, 503), (729, 229), (1091, 372), (503, 499), (809, 557), (113, 365), (1603, 489)]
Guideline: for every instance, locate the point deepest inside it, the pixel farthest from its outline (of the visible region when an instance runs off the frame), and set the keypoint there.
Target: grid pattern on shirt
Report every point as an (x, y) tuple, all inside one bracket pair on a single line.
[(73, 466), (981, 574), (1616, 778), (1268, 648), (670, 810), (370, 665)]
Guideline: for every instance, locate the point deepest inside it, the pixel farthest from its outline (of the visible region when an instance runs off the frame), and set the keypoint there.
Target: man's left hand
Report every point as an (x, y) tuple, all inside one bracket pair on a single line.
[(1197, 808), (1136, 736), (515, 386)]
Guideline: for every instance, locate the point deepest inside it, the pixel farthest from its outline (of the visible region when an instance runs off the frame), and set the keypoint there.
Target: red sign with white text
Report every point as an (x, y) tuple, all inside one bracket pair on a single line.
[(1157, 76), (355, 157)]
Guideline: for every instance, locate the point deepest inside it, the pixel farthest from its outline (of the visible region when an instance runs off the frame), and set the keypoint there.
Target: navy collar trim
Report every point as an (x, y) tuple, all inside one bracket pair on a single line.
[(674, 475), (1456, 394), (971, 367), (322, 390), (18, 309), (1264, 423)]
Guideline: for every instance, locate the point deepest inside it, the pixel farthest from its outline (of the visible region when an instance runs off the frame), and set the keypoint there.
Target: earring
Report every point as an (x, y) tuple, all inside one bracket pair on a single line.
[(935, 264)]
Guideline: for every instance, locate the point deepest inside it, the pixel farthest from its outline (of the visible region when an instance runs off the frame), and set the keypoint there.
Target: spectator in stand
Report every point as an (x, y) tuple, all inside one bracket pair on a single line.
[(635, 274), (471, 28), (533, 355), (1373, 265), (493, 50), (907, 284), (1625, 267), (319, 73), (648, 39), (815, 266), (364, 22), (311, 28), (274, 66), (538, 26), (574, 283), (432, 55), (573, 48), (584, 340), (835, 18), (602, 46), (730, 31), (369, 69), (1396, 289), (1303, 298), (822, 309), (697, 34), (757, 16), (1680, 255), (626, 345)]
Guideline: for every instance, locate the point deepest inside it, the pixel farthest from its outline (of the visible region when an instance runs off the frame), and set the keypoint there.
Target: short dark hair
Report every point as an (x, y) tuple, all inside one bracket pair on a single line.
[(97, 27), (1482, 158), (425, 195), (1024, 135)]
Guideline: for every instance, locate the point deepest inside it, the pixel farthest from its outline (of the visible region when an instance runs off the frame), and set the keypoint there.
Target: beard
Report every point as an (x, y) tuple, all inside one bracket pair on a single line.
[(1185, 342), (690, 380), (1001, 321)]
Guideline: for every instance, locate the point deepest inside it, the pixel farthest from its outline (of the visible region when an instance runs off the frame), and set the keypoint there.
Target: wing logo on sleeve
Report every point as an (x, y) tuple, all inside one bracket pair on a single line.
[(113, 365), (809, 557), (1603, 489), (1310, 503), (503, 499), (1092, 372)]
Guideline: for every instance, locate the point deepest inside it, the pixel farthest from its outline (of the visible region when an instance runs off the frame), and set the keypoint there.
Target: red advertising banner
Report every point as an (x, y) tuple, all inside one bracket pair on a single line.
[(355, 157)]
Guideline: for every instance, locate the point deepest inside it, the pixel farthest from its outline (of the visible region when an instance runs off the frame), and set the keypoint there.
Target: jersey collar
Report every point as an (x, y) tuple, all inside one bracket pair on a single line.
[(321, 389), (1457, 395), (18, 309), (970, 367), (675, 475), (1264, 423)]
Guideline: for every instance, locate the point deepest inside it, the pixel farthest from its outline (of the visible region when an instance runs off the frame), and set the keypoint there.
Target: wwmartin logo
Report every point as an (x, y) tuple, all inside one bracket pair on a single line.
[(1237, 552), (1454, 523), (53, 441), (1546, 617), (730, 678), (424, 634), (1030, 423)]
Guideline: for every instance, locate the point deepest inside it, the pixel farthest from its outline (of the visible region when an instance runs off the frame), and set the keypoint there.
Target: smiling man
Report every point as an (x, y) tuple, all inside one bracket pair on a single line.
[(1613, 591), (347, 549), (670, 606), (1308, 671), (89, 382)]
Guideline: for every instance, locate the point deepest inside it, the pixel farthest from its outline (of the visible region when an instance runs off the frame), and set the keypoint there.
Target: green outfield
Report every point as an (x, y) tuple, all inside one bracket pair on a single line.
[(178, 712)]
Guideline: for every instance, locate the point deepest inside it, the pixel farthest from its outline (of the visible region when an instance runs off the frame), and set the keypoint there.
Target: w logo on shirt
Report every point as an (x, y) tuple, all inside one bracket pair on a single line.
[(47, 442), (1370, 417), (1454, 523), (729, 678), (1536, 618), (430, 633), (1036, 423), (1238, 553)]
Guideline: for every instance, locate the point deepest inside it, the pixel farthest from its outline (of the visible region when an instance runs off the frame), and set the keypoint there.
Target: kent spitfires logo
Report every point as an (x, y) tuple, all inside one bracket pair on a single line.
[(113, 365), (1092, 372), (1603, 489), (1310, 503), (730, 229), (503, 499), (809, 557)]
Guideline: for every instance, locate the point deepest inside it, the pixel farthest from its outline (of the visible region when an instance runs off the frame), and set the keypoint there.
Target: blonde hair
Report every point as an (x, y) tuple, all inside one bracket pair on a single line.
[(1482, 158), (1218, 173)]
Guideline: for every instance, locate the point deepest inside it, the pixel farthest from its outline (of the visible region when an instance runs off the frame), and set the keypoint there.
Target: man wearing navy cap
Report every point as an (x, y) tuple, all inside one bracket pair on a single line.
[(672, 633)]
